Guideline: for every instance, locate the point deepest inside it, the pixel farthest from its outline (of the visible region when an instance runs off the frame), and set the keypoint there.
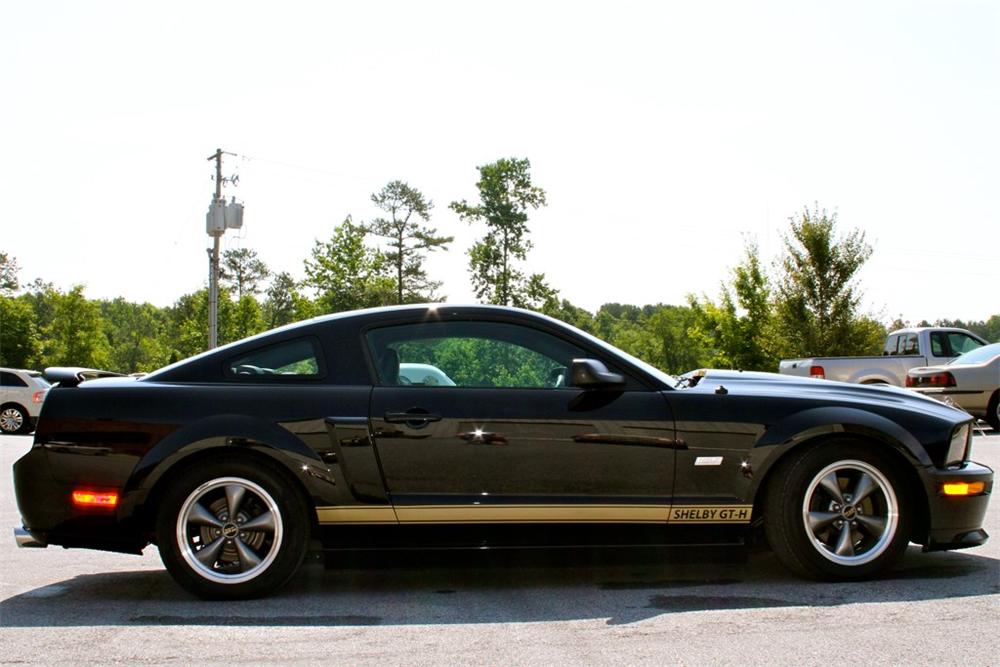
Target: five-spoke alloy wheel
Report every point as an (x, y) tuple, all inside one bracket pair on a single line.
[(837, 510), (232, 530), (851, 511)]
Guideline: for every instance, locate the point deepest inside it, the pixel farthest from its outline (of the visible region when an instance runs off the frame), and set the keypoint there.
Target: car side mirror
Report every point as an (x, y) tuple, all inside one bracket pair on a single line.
[(591, 373)]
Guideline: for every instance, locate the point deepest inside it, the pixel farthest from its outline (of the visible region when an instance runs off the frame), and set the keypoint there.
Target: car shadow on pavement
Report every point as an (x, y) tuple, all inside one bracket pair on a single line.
[(475, 587)]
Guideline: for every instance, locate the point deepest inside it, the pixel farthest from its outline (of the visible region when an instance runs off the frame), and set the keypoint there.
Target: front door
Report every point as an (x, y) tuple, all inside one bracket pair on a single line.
[(473, 422)]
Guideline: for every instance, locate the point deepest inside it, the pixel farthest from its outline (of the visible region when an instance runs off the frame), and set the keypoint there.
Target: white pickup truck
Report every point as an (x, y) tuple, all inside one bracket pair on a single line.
[(904, 349)]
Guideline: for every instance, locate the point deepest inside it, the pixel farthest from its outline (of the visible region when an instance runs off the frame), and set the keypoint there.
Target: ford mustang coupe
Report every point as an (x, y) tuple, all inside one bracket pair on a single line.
[(483, 426)]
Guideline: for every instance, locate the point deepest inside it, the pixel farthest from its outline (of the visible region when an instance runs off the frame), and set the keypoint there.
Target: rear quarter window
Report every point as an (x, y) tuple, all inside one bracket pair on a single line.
[(292, 360)]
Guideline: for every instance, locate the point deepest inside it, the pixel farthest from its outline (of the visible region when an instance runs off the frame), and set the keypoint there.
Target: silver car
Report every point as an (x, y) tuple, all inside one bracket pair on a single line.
[(971, 381), (21, 396)]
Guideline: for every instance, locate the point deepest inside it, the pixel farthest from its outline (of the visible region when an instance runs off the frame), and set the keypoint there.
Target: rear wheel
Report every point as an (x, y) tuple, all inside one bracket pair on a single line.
[(838, 511), (230, 529), (13, 419)]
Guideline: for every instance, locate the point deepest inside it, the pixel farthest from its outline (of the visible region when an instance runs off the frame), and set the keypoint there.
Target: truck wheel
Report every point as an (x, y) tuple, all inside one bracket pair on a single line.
[(838, 511), (231, 530)]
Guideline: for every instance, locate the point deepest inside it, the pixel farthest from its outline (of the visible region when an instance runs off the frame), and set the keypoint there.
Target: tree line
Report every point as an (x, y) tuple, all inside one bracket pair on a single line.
[(805, 302)]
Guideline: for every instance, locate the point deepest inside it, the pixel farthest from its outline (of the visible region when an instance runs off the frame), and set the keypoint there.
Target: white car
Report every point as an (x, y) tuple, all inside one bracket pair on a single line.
[(424, 375), (21, 396), (971, 381)]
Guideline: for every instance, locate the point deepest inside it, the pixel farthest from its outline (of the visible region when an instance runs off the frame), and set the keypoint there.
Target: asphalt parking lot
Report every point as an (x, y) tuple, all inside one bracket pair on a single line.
[(60, 607)]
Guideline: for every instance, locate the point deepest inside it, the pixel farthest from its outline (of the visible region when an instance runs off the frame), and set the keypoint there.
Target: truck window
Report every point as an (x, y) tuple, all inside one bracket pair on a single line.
[(961, 343), (890, 344), (938, 344), (909, 344)]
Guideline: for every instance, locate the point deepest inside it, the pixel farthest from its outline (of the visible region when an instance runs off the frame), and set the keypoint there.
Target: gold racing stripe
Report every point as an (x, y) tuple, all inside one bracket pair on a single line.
[(579, 513), (532, 513), (356, 514)]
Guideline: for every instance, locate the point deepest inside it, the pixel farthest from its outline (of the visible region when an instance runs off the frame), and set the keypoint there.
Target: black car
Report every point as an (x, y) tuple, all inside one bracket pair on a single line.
[(481, 426)]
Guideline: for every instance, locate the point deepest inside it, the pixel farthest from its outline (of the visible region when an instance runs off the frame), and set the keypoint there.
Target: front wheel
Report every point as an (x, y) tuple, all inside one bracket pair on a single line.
[(231, 530), (838, 511)]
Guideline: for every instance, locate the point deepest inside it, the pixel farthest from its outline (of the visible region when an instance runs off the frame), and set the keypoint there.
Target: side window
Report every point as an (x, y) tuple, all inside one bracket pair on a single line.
[(890, 345), (11, 380), (962, 343), (938, 344), (909, 344), (290, 360), (470, 354)]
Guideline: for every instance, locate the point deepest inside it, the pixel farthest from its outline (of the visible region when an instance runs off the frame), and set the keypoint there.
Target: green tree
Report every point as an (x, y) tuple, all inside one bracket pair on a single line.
[(42, 297), (243, 271), (737, 330), (679, 351), (284, 303), (20, 346), (136, 336), (9, 269), (506, 193), (408, 241), (581, 318), (346, 273), (817, 298), (76, 332), (248, 319), (187, 323)]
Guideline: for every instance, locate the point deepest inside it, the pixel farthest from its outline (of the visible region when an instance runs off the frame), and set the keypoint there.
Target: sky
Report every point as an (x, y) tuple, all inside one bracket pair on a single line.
[(665, 134)]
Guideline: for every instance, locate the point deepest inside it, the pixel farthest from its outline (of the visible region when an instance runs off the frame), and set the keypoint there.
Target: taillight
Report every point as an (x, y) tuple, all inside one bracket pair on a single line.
[(936, 380), (38, 397), (817, 372)]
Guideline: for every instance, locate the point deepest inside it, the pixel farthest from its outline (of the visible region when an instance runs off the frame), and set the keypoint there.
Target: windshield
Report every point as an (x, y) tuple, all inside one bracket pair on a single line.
[(977, 356)]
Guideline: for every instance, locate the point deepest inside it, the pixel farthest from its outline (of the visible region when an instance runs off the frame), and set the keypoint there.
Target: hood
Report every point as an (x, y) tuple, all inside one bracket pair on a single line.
[(773, 384)]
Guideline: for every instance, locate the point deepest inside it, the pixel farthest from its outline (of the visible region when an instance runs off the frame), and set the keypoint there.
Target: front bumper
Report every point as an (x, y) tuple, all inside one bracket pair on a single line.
[(956, 522)]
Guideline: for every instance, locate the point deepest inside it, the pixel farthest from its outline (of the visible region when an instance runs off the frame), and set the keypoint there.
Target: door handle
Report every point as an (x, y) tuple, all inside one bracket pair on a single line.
[(412, 417)]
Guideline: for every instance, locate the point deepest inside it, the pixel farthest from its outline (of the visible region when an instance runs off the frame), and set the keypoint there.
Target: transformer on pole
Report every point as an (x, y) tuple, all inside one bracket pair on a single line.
[(220, 217)]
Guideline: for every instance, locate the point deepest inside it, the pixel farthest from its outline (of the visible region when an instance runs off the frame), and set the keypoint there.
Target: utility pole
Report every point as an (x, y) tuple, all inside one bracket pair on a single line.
[(220, 217), (213, 261)]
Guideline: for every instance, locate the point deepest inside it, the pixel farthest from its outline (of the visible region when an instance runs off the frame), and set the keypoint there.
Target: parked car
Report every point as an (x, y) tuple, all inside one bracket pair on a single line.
[(971, 381), (423, 374), (904, 349), (232, 461), (21, 396)]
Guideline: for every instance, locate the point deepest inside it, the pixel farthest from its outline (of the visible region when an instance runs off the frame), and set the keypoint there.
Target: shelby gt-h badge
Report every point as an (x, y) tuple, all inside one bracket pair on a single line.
[(483, 426)]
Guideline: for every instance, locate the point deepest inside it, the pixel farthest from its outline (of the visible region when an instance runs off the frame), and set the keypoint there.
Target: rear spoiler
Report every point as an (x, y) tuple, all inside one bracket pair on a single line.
[(71, 376)]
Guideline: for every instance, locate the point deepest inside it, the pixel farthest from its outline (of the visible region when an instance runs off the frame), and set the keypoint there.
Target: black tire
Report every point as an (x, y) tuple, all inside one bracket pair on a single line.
[(819, 530), (217, 558), (993, 413), (14, 419)]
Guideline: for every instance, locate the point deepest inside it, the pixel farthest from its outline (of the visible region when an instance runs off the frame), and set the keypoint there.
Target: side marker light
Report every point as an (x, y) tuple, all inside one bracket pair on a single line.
[(963, 488), (86, 498)]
